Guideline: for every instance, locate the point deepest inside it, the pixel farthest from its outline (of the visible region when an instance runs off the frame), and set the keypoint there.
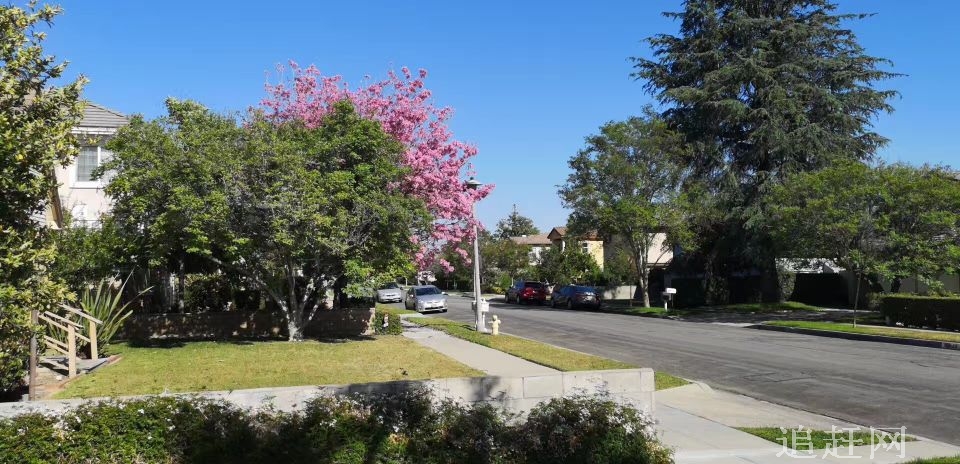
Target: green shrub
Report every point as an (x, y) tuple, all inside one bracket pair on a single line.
[(405, 428), (922, 311), (592, 430), (393, 322), (206, 292)]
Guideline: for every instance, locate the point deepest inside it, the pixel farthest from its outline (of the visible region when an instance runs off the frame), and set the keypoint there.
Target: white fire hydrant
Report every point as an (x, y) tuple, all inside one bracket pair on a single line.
[(495, 324)]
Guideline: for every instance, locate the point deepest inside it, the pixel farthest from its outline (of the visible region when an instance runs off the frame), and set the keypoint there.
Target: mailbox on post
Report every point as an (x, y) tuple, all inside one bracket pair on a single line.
[(668, 296)]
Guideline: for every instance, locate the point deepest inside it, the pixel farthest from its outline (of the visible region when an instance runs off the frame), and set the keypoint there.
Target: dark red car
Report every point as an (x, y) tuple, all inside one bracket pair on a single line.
[(525, 291)]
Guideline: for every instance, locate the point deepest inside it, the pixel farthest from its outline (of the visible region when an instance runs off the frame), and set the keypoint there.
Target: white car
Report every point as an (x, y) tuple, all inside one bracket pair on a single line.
[(389, 293)]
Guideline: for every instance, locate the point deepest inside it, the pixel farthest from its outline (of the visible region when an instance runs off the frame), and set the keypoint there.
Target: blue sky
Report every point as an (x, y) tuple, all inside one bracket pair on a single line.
[(528, 80)]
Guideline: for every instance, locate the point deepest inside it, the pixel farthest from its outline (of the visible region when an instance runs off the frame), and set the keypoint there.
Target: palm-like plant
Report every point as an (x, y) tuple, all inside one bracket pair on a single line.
[(103, 302)]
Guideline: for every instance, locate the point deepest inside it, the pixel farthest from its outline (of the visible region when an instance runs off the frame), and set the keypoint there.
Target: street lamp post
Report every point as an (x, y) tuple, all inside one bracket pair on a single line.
[(478, 303)]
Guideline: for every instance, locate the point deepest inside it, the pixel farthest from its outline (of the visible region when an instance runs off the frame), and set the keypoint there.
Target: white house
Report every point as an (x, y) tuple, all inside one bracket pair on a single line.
[(79, 195)]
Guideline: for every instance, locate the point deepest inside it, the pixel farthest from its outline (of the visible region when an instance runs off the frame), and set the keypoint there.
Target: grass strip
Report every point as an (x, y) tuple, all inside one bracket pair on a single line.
[(206, 366), (872, 330), (544, 354), (820, 439)]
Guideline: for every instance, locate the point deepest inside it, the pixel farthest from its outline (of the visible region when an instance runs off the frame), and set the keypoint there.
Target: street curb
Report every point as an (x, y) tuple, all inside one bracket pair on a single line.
[(861, 337)]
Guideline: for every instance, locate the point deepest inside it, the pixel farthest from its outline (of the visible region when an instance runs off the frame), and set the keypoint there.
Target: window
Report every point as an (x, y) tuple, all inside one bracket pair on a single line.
[(91, 157), (586, 247)]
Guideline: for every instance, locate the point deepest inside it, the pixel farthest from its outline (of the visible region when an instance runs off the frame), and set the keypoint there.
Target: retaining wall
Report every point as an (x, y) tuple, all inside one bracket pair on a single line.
[(517, 394), (244, 324)]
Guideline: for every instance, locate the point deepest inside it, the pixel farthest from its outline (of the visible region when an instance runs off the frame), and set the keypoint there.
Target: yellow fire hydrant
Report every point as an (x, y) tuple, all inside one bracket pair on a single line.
[(495, 323)]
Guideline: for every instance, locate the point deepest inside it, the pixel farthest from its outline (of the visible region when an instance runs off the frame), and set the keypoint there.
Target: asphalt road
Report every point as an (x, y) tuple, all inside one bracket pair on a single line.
[(868, 383)]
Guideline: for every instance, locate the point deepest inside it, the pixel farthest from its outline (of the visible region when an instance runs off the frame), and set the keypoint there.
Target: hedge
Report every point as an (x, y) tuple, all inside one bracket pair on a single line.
[(922, 311), (394, 326), (405, 428)]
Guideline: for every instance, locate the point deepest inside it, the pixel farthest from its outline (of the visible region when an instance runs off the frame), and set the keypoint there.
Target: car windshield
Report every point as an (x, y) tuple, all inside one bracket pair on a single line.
[(427, 291), (533, 285), (390, 286)]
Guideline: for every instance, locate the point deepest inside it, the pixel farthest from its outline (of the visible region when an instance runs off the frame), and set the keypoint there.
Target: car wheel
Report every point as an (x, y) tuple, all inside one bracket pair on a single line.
[(569, 304), (444, 310), (553, 303)]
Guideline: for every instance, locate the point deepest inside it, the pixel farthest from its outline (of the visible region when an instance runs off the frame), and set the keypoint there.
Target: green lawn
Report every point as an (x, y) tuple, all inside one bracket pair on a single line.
[(818, 438), (200, 366), (760, 307), (624, 307), (951, 460), (544, 354), (872, 330)]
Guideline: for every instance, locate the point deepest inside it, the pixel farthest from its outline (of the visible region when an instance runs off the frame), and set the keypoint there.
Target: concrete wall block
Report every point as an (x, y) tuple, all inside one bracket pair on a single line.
[(622, 381), (589, 382), (485, 388), (543, 386)]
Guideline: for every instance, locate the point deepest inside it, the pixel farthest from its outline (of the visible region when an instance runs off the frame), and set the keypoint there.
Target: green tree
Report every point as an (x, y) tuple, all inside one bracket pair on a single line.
[(35, 122), (625, 186), (291, 210), (884, 221), (566, 265), (761, 90), (515, 225), (168, 186)]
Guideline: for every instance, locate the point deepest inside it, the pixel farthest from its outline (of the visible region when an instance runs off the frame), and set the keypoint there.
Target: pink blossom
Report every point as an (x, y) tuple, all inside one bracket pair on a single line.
[(401, 104)]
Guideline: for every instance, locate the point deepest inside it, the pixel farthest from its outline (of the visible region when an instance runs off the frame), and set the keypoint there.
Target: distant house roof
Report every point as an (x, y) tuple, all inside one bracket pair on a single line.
[(95, 115), (559, 232), (539, 239)]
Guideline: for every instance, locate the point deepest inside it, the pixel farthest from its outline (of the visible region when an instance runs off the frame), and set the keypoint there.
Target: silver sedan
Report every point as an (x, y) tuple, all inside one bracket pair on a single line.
[(389, 293), (423, 298)]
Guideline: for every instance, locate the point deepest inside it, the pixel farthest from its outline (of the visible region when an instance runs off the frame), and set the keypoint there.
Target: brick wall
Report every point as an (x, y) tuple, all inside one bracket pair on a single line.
[(244, 324)]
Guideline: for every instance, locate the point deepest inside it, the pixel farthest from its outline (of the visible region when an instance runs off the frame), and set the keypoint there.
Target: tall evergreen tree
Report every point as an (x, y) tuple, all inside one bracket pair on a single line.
[(763, 89), (515, 225)]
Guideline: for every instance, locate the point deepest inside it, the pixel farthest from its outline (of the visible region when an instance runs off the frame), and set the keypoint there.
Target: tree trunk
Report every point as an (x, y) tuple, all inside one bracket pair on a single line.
[(770, 289), (295, 326), (181, 284), (645, 281)]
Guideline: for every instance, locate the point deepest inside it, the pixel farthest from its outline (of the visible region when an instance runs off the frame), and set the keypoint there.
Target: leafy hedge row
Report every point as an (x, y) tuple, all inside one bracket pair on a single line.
[(406, 428), (922, 311)]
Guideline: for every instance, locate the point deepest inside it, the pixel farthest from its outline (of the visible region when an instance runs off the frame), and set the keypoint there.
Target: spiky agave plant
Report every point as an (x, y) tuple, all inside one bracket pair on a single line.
[(103, 302)]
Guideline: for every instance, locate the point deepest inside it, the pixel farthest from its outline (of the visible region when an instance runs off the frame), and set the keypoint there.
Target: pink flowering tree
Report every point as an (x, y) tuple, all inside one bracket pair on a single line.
[(438, 163)]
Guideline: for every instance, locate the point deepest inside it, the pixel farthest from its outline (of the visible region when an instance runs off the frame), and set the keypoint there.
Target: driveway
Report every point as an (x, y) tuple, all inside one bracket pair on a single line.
[(873, 384)]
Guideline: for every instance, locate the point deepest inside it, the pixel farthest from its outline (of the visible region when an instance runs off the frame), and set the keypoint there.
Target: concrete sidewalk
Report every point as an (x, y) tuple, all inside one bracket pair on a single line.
[(479, 357), (695, 420), (698, 422)]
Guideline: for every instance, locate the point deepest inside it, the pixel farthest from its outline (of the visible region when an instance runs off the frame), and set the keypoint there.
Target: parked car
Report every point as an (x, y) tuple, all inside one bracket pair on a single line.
[(524, 291), (423, 298), (575, 296), (389, 293)]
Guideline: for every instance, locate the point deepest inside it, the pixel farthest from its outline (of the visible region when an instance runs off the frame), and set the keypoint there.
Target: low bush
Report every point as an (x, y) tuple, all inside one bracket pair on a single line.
[(393, 321), (405, 428), (935, 312)]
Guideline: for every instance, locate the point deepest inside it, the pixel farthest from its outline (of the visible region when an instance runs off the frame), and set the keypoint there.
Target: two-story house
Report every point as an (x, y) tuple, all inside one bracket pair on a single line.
[(80, 196)]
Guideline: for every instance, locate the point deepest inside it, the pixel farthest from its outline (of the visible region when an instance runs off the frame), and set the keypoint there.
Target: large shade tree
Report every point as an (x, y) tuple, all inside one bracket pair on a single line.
[(761, 90), (36, 117), (435, 161), (892, 221), (292, 210), (625, 186)]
